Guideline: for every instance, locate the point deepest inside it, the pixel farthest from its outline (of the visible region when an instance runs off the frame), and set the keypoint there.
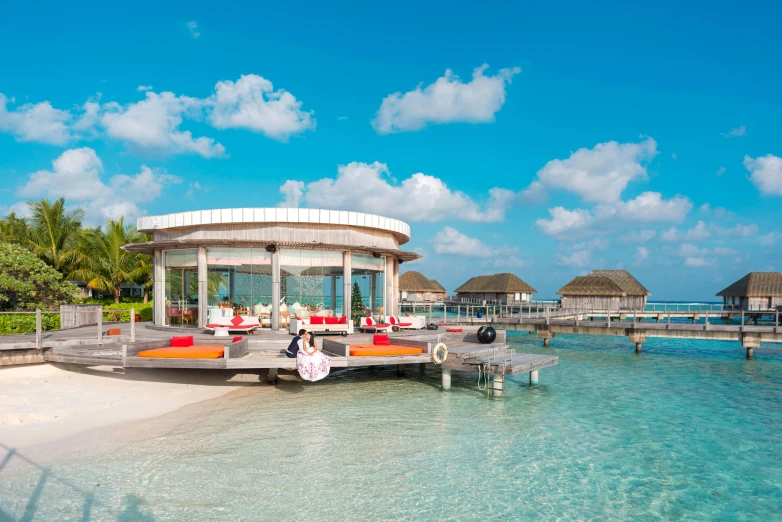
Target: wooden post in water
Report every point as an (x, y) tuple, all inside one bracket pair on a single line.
[(533, 378), (446, 378)]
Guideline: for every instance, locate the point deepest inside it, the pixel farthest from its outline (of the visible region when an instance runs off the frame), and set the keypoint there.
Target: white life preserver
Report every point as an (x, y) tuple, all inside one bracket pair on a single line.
[(435, 353)]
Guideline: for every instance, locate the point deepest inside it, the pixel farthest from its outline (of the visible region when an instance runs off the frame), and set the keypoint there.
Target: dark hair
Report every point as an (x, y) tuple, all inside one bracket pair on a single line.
[(302, 331)]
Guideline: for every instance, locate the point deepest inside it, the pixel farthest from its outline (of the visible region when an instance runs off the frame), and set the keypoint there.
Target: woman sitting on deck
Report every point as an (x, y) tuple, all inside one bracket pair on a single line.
[(312, 364)]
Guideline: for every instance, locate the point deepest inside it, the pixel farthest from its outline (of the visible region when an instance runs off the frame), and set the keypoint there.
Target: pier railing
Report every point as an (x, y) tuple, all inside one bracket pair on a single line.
[(64, 318)]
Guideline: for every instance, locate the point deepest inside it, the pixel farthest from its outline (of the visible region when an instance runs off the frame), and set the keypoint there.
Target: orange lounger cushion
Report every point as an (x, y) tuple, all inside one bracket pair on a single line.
[(369, 350), (189, 352)]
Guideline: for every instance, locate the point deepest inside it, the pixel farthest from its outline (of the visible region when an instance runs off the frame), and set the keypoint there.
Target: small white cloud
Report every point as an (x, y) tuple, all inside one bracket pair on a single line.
[(447, 100), (144, 88), (737, 230), (192, 26), (769, 238), (451, 241), (39, 122), (342, 118), (252, 103), (697, 233), (641, 255), (599, 174), (364, 187), (637, 236), (737, 132), (76, 176), (673, 155), (721, 171), (577, 258), (765, 173)]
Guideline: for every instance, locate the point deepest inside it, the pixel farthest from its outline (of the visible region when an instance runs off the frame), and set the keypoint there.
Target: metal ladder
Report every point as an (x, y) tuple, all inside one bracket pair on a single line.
[(502, 357)]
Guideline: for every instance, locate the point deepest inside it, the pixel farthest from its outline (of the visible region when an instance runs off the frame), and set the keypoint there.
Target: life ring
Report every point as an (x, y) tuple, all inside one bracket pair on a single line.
[(435, 353)]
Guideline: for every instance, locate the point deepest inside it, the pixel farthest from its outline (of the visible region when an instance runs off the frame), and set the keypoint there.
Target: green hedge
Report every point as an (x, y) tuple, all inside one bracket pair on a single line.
[(20, 324), (25, 323)]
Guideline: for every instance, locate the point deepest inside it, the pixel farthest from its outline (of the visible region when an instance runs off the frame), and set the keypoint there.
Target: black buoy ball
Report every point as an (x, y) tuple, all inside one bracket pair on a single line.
[(486, 335)]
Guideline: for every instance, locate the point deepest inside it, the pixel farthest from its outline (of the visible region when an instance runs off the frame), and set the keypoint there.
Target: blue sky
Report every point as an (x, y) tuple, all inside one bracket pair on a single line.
[(599, 135)]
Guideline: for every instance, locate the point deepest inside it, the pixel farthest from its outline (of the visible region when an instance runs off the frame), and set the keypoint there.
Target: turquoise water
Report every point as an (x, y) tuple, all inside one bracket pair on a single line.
[(688, 430)]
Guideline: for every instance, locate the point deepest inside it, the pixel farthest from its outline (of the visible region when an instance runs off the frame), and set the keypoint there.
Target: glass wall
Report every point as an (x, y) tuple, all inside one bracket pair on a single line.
[(239, 282), (180, 278), (369, 272), (311, 282)]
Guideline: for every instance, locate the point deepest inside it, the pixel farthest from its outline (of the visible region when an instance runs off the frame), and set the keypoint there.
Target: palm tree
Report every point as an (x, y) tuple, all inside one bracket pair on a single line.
[(142, 274), (13, 229), (54, 234), (106, 266)]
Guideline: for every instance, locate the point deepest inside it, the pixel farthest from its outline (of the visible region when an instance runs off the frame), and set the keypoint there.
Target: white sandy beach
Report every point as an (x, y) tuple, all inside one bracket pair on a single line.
[(43, 403)]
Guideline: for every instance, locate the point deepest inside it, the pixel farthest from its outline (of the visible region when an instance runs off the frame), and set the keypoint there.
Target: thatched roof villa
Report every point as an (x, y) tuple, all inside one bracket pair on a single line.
[(415, 287), (503, 289), (754, 291), (604, 290)]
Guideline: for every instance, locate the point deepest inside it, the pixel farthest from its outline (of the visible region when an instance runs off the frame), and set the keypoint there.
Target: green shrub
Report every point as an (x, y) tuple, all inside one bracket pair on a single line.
[(121, 312), (25, 323)]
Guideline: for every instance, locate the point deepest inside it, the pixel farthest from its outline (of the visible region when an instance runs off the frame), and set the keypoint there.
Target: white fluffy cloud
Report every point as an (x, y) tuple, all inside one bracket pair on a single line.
[(578, 258), (76, 176), (599, 174), (35, 122), (702, 257), (648, 207), (765, 173), (154, 123), (192, 26), (365, 187), (252, 103), (447, 100), (451, 241), (699, 232)]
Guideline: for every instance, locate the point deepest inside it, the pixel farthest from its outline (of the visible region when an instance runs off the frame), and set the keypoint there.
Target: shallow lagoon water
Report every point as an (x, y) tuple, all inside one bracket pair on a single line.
[(689, 430)]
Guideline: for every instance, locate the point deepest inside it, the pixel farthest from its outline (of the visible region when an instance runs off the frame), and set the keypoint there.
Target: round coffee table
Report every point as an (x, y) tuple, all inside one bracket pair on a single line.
[(221, 331)]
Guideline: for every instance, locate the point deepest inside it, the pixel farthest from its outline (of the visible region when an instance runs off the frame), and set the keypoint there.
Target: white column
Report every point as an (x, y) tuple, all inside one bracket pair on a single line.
[(446, 379), (347, 285), (533, 378), (276, 290), (158, 289), (391, 293), (203, 298)]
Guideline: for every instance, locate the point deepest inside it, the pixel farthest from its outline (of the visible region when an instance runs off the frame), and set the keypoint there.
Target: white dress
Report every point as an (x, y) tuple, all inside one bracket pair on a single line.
[(312, 367)]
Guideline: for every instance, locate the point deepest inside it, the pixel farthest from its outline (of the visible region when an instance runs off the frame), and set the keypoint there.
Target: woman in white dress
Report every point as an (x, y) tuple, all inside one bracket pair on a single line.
[(313, 364)]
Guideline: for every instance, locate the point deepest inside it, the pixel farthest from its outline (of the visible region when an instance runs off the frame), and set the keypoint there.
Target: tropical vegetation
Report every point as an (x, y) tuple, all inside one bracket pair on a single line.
[(54, 236)]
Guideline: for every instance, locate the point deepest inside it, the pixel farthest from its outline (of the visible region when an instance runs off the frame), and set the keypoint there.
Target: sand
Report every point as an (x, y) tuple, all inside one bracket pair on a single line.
[(44, 403)]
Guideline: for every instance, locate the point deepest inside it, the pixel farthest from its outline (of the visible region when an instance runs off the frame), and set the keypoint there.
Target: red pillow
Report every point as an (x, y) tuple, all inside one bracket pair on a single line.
[(237, 339), (237, 320), (316, 319), (343, 319), (332, 320), (391, 319), (407, 315), (381, 340), (298, 318), (370, 322), (182, 341)]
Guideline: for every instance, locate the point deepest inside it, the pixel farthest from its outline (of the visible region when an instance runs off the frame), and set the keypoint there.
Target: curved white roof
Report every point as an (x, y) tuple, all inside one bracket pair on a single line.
[(150, 224)]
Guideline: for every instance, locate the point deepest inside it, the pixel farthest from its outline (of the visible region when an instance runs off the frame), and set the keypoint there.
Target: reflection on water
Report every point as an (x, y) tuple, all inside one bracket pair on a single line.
[(688, 430)]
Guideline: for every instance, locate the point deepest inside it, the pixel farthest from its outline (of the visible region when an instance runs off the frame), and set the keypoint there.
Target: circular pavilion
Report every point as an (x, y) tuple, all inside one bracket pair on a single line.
[(271, 262)]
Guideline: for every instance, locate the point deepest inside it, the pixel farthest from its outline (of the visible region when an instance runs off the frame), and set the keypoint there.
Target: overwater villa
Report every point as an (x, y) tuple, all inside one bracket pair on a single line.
[(500, 289), (754, 291), (604, 290), (414, 287), (276, 264)]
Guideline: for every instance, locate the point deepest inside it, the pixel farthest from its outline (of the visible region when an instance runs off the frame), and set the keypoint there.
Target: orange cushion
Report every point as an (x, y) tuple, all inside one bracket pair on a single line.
[(189, 352), (113, 331), (368, 350)]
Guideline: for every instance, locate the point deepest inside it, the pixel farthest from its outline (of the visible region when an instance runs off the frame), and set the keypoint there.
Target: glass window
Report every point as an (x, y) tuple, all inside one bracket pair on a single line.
[(369, 272), (311, 282), (239, 282), (180, 278)]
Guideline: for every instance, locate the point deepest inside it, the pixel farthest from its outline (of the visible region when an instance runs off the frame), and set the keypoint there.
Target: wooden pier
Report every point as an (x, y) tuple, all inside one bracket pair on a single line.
[(494, 361), (637, 326)]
